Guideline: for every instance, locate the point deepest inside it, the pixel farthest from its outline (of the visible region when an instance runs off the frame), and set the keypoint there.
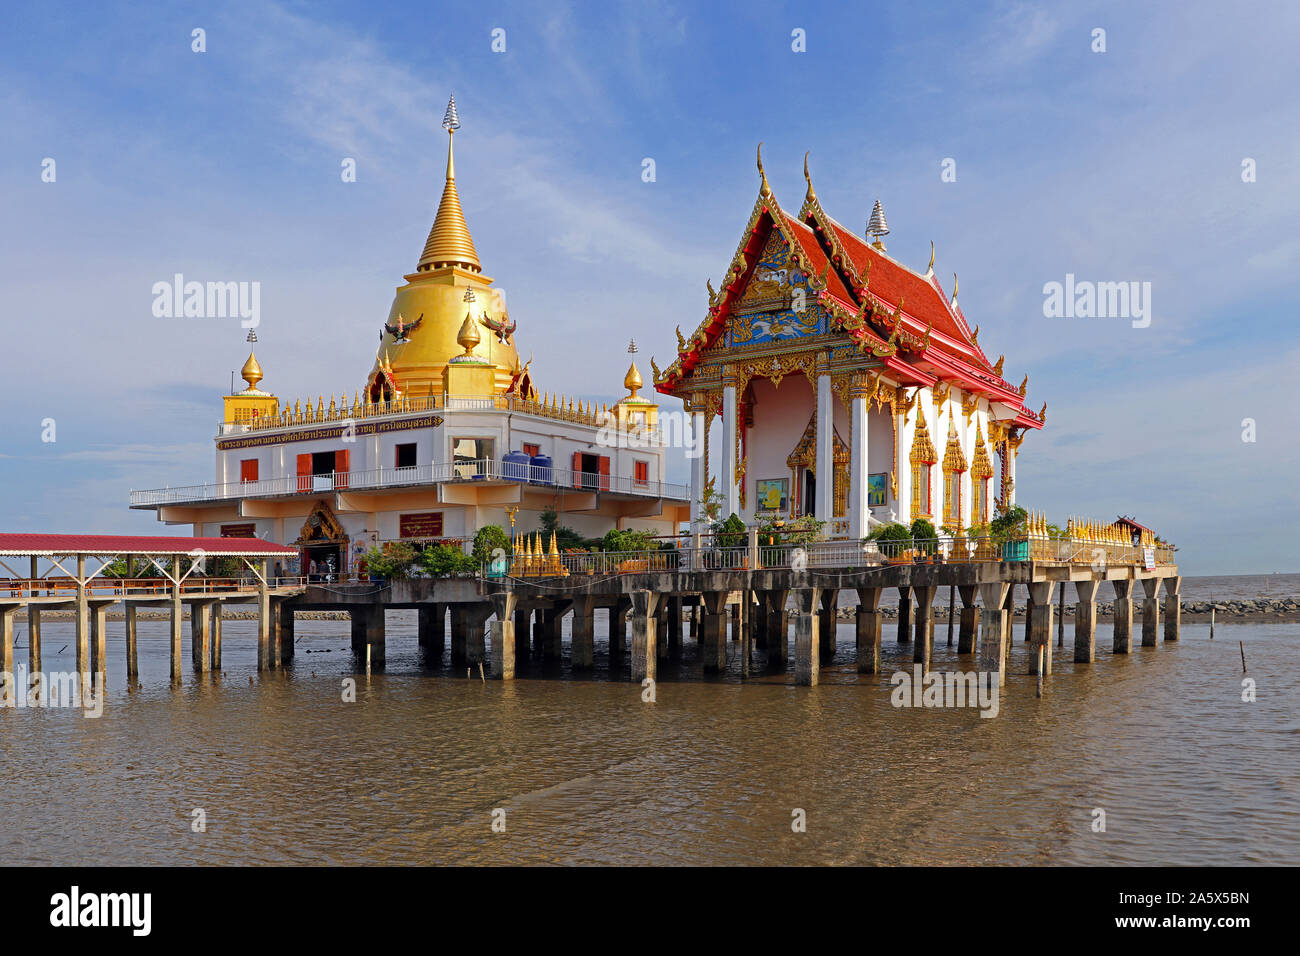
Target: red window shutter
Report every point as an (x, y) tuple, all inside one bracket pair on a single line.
[(642, 472), (577, 469), (341, 468), (248, 469), (304, 472), (604, 473)]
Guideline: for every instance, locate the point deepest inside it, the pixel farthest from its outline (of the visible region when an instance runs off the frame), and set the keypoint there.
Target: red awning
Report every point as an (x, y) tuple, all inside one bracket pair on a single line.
[(46, 545)]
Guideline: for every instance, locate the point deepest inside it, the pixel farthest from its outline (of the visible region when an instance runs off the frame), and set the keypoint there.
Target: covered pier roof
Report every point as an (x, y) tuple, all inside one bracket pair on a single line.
[(49, 545)]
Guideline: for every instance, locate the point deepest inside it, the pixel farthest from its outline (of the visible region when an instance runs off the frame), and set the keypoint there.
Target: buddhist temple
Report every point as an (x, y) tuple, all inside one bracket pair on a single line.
[(447, 433), (850, 386)]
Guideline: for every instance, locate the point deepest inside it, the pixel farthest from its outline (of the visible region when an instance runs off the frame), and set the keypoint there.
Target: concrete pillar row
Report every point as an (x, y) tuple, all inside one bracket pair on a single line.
[(673, 614), (201, 636), (1173, 609), (584, 634), (1150, 611), (713, 644), (869, 626), (368, 632), (778, 634), (1085, 621), (502, 638), (1122, 617), (826, 625), (923, 651), (1040, 616), (618, 631), (807, 656), (968, 629)]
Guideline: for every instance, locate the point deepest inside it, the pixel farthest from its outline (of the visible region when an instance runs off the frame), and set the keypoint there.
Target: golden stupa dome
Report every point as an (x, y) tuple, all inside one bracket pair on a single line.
[(251, 372), (632, 381), (447, 287)]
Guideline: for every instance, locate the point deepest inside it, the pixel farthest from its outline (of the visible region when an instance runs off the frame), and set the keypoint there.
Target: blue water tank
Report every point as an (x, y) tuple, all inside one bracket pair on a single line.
[(541, 470), (514, 465)]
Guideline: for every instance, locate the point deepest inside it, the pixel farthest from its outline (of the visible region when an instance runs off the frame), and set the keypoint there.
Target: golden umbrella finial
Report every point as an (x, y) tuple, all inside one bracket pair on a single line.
[(468, 336), (251, 372)]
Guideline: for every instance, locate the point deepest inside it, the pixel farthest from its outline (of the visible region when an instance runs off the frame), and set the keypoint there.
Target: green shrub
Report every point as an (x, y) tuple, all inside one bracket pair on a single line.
[(1010, 524), (893, 538), (487, 540), (924, 535), (443, 560), (730, 533), (393, 560), (628, 540)]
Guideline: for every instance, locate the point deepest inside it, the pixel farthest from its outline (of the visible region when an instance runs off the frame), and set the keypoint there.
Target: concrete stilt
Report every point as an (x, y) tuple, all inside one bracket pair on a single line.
[(368, 632), (734, 623), (7, 647), (264, 623), (133, 666), (993, 629), (968, 628), (475, 622), (869, 625), (674, 617), (761, 623), (1040, 625), (807, 628), (1122, 617), (713, 643), (503, 635), (273, 637), (459, 636), (1085, 621), (285, 624), (177, 616), (1029, 614), (1173, 610), (645, 633), (618, 631), (431, 631), (553, 642), (826, 627), (584, 634), (1150, 611), (778, 631), (33, 638), (200, 636), (904, 615), (923, 650), (661, 635), (523, 635)]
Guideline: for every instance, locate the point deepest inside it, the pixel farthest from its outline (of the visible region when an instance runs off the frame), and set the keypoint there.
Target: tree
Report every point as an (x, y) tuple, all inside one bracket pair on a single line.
[(444, 560), (566, 539), (393, 560), (893, 538), (486, 542)]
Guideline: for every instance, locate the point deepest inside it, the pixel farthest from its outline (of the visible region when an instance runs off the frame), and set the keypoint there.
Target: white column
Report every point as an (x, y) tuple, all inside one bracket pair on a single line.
[(824, 505), (727, 480), (902, 452), (698, 477), (858, 468), (1011, 474)]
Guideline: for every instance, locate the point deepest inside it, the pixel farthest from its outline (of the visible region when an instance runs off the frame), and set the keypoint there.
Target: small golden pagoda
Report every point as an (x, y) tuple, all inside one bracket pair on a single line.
[(252, 404)]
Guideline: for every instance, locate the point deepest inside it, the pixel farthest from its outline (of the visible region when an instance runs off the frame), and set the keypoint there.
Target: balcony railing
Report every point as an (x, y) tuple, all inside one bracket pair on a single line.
[(435, 473)]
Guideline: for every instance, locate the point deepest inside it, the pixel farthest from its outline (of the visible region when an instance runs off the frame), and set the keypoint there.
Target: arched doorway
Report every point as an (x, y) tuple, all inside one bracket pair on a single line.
[(323, 541)]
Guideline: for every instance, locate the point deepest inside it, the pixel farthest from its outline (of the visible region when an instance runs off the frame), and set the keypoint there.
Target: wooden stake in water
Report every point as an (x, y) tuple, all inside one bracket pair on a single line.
[(1040, 670), (1060, 617), (1211, 622), (952, 606), (1243, 656), (367, 660)]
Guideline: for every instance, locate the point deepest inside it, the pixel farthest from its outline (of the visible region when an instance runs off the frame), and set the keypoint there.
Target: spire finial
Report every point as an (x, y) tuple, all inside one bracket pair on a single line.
[(929, 270), (251, 372), (812, 193), (449, 241), (877, 226), (764, 189)]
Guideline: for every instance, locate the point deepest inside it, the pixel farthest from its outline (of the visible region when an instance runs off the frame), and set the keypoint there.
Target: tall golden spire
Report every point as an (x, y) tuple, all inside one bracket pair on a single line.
[(252, 371), (449, 240)]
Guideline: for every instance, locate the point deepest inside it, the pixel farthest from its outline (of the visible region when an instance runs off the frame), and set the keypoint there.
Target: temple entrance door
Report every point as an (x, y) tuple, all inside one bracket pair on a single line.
[(326, 557), (809, 503)]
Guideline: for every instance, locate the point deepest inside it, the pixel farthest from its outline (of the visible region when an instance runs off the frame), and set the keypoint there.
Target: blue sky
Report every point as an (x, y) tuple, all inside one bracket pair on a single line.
[(1123, 165)]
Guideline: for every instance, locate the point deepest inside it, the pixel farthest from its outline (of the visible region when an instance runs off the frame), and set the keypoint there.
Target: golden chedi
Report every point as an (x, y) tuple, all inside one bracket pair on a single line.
[(428, 313)]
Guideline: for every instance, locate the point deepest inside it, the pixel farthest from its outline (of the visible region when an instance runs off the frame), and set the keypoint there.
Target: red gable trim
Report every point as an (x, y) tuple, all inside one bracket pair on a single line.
[(107, 544)]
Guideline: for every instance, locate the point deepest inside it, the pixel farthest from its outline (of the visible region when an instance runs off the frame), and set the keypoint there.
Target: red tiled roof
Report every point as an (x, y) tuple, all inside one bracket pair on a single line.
[(20, 543)]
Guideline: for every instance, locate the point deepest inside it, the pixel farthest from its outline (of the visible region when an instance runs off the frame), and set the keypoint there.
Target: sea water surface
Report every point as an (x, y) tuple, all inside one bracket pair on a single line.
[(713, 772)]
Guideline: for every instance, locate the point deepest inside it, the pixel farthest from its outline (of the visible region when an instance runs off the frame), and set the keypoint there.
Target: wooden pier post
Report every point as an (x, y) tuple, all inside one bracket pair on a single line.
[(99, 640), (923, 650), (993, 629), (1150, 611), (368, 632), (746, 630), (177, 615), (904, 615), (1085, 621), (1122, 617), (33, 637), (200, 636), (713, 644), (870, 623), (826, 628), (132, 655), (503, 635), (1173, 609), (734, 615), (1040, 627), (216, 639), (661, 635), (584, 634), (7, 647), (807, 655), (83, 622), (645, 632), (970, 619), (1029, 612), (264, 620), (283, 624)]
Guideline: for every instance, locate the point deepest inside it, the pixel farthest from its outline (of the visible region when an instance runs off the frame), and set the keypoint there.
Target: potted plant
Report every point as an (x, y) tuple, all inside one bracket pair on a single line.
[(1010, 533)]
